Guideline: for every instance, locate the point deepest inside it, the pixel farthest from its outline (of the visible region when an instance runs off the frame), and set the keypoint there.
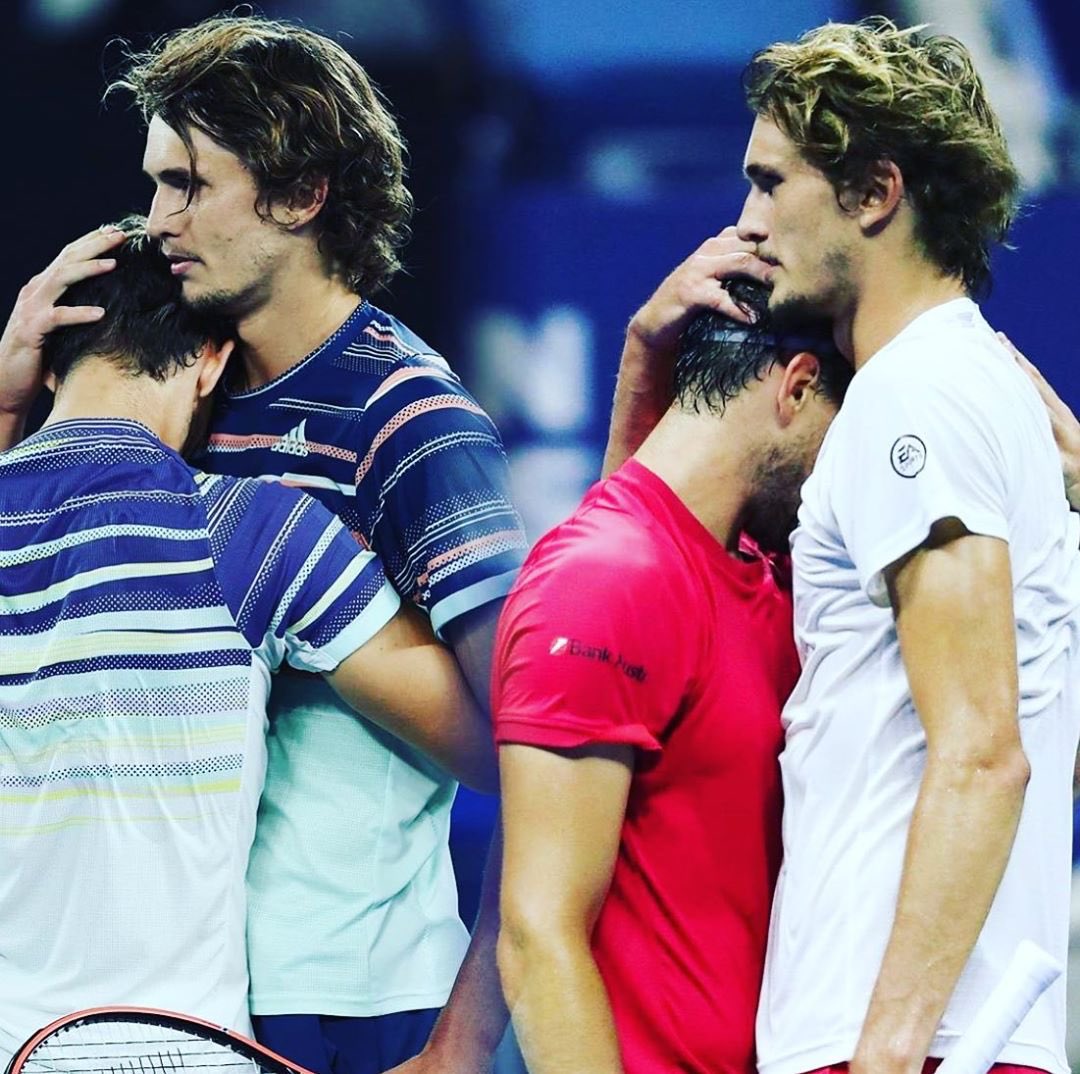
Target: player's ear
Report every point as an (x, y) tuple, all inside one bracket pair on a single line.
[(798, 383), (877, 197), (303, 204), (214, 357)]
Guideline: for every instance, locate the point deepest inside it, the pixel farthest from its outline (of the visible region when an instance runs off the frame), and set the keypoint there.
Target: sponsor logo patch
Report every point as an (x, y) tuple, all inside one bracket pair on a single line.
[(908, 455), (600, 653)]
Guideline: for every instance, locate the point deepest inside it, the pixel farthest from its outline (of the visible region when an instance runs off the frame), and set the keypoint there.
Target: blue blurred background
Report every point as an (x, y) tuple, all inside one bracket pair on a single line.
[(565, 154)]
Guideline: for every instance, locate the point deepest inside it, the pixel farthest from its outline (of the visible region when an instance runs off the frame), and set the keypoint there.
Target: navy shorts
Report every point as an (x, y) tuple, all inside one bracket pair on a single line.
[(327, 1044)]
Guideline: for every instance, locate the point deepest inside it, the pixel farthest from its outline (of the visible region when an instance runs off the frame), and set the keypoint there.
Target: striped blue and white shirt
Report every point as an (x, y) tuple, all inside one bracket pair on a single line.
[(143, 606)]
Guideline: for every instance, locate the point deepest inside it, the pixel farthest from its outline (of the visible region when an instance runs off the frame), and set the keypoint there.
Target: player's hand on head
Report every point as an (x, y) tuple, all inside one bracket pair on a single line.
[(36, 314), (696, 285), (1062, 420), (643, 392)]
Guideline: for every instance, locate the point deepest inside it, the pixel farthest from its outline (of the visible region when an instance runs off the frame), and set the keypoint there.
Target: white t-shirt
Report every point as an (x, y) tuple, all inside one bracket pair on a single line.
[(940, 423)]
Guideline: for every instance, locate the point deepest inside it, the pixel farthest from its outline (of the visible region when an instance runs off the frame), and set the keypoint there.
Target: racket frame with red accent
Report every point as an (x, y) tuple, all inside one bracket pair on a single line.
[(217, 1034)]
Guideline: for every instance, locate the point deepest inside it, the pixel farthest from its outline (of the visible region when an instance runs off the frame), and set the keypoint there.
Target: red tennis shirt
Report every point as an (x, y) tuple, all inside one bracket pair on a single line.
[(631, 624)]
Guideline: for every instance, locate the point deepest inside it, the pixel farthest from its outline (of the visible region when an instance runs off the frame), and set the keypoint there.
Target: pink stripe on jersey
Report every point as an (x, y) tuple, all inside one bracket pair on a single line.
[(241, 443), (405, 415), (480, 542), (408, 373), (228, 442)]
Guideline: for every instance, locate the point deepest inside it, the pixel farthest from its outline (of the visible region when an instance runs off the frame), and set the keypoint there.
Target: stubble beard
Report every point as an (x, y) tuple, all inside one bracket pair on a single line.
[(793, 313), (771, 513), (228, 305)]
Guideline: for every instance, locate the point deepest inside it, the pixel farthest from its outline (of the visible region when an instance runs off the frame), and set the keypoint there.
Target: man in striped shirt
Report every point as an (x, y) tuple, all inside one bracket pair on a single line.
[(143, 606), (280, 202)]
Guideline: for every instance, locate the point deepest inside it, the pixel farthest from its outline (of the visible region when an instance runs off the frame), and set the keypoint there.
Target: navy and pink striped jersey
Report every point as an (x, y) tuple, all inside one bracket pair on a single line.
[(376, 426), (353, 904)]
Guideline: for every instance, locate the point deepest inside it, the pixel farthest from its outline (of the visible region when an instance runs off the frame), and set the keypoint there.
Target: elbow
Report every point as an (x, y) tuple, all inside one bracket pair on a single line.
[(517, 944), (1001, 769), (468, 751), (510, 960), (479, 771), (528, 939), (1013, 772), (1008, 779)]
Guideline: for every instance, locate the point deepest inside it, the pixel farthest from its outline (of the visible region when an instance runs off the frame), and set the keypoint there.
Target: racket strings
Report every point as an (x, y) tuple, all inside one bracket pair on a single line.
[(80, 1063), (104, 1048), (179, 1060)]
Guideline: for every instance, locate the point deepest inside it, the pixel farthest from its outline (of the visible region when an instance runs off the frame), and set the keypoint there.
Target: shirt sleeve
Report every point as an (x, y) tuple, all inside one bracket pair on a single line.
[(589, 650), (300, 587), (444, 523), (917, 448)]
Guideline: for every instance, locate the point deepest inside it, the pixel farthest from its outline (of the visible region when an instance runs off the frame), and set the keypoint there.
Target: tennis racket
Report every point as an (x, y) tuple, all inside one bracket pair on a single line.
[(1030, 973), (140, 1040)]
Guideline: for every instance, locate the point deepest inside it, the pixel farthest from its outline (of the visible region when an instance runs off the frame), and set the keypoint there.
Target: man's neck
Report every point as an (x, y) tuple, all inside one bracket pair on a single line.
[(96, 389), (301, 314), (703, 461), (889, 300)]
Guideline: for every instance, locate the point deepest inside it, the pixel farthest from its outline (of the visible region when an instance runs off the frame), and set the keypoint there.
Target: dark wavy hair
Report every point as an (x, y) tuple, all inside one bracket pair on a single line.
[(147, 330), (296, 109), (719, 356), (852, 94)]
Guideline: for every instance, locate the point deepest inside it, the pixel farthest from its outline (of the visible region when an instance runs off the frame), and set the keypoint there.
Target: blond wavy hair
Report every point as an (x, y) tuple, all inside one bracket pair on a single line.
[(852, 95), (295, 108)]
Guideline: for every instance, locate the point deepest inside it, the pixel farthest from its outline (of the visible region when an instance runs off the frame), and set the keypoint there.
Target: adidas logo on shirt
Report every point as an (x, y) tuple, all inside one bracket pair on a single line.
[(293, 442)]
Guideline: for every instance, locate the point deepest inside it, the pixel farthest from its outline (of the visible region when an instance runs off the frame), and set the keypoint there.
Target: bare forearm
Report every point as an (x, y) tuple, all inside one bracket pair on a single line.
[(959, 842), (642, 395), (564, 814), (410, 685), (12, 427), (474, 1019), (560, 1008)]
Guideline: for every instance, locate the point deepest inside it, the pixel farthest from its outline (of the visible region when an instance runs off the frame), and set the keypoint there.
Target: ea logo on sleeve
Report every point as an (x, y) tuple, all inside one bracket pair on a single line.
[(908, 456)]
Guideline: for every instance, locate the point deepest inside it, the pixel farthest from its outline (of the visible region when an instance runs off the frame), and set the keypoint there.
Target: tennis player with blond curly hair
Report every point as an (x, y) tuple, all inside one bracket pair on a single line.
[(927, 768)]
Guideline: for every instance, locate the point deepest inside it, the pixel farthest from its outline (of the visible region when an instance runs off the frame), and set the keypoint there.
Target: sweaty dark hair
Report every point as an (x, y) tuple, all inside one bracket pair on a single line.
[(147, 329), (296, 109), (719, 356)]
